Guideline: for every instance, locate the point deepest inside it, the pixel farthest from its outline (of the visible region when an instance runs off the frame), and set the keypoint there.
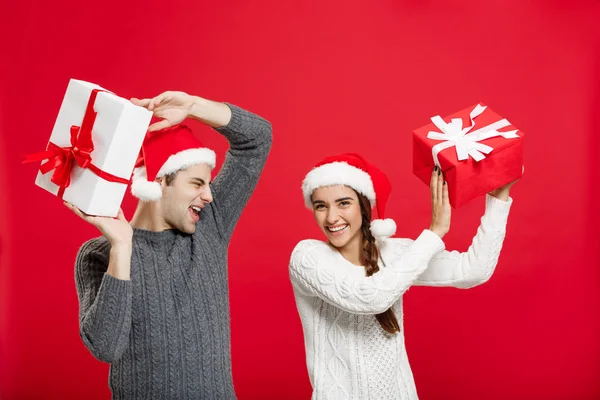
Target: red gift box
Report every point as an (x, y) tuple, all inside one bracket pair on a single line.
[(477, 150)]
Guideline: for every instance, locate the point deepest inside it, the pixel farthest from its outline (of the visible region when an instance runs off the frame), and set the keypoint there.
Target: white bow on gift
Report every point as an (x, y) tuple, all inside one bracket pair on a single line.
[(467, 142)]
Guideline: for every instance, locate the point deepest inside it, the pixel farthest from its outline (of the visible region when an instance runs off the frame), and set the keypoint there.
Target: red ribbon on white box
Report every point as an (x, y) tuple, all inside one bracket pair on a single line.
[(63, 159), (464, 140)]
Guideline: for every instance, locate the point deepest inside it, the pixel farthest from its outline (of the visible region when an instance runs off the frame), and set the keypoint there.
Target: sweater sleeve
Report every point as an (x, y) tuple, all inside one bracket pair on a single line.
[(314, 272), (250, 139), (476, 265), (104, 303)]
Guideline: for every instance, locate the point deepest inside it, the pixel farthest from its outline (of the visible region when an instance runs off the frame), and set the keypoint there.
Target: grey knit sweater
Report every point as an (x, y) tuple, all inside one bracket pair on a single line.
[(166, 331)]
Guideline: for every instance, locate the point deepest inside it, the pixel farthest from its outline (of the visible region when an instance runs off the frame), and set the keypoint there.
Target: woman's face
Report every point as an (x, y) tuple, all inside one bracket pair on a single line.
[(337, 212)]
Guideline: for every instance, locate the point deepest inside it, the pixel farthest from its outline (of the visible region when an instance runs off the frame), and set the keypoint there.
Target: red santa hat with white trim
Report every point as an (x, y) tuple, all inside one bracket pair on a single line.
[(355, 171), (165, 152)]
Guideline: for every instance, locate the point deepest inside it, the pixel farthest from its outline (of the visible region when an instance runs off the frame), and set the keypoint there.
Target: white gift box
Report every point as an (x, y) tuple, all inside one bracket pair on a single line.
[(117, 135)]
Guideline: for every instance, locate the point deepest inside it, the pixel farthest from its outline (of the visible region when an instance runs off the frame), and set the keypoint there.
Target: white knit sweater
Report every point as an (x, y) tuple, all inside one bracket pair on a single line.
[(348, 354)]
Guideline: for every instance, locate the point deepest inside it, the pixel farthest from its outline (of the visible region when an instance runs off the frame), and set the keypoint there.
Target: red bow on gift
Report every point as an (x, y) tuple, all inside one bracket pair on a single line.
[(63, 159)]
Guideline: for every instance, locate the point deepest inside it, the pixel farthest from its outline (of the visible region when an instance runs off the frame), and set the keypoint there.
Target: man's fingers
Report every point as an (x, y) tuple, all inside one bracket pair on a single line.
[(140, 102), (159, 125), (74, 209), (158, 100), (77, 211), (152, 103), (121, 215)]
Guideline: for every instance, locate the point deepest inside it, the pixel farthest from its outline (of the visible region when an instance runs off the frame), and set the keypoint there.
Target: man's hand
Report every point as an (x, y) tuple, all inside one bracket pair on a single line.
[(119, 234), (173, 107), (116, 230)]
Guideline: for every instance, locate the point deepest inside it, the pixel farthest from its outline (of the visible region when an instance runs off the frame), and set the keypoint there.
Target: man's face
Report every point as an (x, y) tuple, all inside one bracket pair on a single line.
[(183, 200)]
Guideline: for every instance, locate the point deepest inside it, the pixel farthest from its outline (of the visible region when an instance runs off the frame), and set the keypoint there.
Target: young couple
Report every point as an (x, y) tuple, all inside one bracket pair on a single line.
[(153, 291)]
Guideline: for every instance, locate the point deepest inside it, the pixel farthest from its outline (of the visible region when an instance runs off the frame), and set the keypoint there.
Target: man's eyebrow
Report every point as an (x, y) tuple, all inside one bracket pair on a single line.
[(199, 180)]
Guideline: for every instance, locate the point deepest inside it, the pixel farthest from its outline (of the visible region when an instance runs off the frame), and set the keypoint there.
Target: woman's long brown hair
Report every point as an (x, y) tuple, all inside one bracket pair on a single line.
[(370, 256)]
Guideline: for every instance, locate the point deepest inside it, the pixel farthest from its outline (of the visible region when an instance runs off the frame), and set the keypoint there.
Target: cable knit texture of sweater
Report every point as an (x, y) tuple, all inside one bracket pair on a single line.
[(165, 332), (348, 354)]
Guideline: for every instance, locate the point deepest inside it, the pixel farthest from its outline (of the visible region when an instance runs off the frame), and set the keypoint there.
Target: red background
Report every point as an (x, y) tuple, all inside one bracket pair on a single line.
[(331, 77)]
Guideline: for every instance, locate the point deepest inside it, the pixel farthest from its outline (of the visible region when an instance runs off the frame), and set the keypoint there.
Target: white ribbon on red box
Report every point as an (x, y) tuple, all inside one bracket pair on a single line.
[(464, 140)]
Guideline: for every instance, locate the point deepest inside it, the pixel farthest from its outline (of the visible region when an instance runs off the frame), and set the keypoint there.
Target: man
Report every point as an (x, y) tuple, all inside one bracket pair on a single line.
[(153, 292)]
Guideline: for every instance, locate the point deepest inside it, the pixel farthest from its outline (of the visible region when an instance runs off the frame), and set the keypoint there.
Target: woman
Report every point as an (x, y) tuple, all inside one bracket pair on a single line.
[(349, 289)]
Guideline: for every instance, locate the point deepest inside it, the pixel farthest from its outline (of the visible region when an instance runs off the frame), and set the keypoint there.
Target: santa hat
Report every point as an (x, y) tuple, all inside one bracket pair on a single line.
[(353, 170), (165, 152)]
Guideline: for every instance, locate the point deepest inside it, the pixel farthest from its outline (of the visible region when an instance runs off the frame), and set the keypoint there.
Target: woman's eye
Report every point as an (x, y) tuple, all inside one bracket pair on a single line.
[(319, 206), (344, 203)]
